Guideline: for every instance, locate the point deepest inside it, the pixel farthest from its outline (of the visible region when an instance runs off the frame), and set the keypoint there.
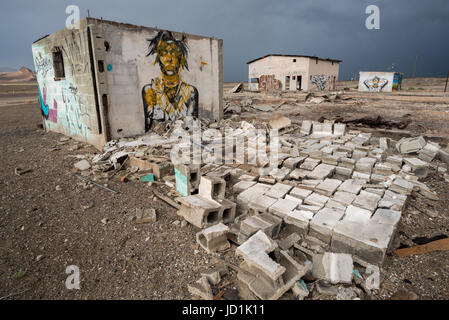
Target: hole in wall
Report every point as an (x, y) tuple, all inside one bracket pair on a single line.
[(100, 66), (106, 46), (119, 130)]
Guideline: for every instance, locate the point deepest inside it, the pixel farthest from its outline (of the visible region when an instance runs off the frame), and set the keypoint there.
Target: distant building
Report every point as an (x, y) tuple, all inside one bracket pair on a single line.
[(108, 80), (380, 81), (292, 72)]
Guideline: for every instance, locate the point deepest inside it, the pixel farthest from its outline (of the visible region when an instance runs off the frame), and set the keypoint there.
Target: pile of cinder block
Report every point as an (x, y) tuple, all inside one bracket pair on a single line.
[(335, 196)]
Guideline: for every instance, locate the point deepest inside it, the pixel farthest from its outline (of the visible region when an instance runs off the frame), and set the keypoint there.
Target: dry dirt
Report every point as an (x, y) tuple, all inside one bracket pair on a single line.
[(48, 213)]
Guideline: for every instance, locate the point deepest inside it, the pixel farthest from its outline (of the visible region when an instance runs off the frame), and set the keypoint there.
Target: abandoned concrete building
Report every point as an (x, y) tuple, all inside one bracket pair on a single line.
[(108, 80), (292, 72), (380, 81)]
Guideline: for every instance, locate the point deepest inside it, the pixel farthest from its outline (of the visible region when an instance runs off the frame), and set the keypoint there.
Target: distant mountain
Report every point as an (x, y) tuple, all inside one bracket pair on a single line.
[(22, 75), (7, 69)]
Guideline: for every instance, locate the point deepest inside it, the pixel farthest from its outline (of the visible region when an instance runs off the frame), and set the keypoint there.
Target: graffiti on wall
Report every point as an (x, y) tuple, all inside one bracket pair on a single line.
[(320, 80), (76, 50), (375, 84), (50, 114), (76, 114), (43, 65), (269, 82), (168, 97)]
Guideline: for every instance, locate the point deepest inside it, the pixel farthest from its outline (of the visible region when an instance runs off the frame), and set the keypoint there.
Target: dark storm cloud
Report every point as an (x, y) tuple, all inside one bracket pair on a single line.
[(253, 28)]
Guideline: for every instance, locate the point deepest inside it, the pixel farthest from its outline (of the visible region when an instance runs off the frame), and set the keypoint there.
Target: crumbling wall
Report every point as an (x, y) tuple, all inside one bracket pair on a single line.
[(154, 75), (271, 73), (67, 103)]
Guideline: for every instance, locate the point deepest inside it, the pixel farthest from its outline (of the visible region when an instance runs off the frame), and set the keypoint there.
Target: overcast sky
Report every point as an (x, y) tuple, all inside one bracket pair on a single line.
[(253, 28)]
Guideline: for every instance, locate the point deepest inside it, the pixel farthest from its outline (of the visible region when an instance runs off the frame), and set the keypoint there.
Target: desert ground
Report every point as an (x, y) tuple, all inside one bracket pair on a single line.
[(49, 220)]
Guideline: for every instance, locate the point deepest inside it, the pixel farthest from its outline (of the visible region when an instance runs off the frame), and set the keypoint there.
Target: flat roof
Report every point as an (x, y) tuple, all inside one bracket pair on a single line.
[(296, 56)]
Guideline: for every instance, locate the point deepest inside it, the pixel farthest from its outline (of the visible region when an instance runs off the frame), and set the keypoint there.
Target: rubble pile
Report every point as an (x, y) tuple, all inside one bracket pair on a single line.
[(334, 200)]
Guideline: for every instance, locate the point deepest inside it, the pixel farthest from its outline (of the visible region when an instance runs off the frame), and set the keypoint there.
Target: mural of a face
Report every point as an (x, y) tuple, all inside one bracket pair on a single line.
[(169, 58), (168, 97), (375, 84)]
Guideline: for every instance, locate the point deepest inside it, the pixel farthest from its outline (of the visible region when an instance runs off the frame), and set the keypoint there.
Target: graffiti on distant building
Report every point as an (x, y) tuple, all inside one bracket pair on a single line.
[(320, 80), (168, 97), (269, 82), (375, 84)]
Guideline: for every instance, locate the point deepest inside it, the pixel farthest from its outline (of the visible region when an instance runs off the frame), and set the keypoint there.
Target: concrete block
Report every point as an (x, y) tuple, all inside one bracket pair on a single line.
[(249, 194), (392, 200), (429, 152), (145, 215), (228, 209), (242, 186), (323, 222), (387, 216), (298, 174), (279, 190), (358, 154), (367, 200), (309, 164), (294, 199), (289, 241), (343, 197), (298, 221), (255, 252), (339, 129), (213, 239), (333, 267), (300, 193), (280, 174), (199, 211), (352, 186), (282, 207), (267, 180), (328, 187), (212, 187), (316, 199), (361, 176), (410, 145), (306, 127), (293, 162), (402, 186), (335, 205), (261, 203), (356, 214), (265, 222), (321, 171), (344, 171)]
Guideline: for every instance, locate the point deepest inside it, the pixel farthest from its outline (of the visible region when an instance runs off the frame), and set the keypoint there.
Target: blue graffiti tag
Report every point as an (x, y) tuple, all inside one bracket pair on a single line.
[(44, 108)]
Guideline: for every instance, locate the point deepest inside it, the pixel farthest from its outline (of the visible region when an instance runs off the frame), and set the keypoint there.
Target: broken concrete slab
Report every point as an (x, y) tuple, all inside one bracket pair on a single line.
[(279, 122), (82, 165), (410, 145), (357, 214), (201, 288), (261, 203), (300, 193), (333, 267), (145, 215), (213, 239), (316, 199)]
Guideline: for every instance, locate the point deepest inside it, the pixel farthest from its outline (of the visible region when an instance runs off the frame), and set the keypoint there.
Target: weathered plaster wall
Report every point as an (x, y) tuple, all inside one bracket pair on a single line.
[(323, 75), (128, 70), (68, 105), (376, 81), (314, 77)]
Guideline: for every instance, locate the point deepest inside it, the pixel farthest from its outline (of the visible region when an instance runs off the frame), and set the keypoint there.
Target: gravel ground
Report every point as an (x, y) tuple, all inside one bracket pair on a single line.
[(50, 220)]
